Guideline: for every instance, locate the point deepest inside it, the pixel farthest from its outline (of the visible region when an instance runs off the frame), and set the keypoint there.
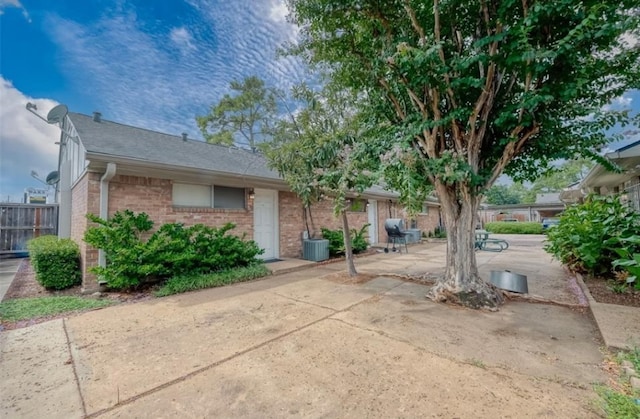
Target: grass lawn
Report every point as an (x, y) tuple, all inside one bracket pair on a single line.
[(29, 308)]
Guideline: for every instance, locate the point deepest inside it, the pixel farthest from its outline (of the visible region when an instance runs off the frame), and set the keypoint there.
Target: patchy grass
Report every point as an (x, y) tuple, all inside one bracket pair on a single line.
[(632, 356), (618, 405), (618, 400), (184, 283), (29, 308)]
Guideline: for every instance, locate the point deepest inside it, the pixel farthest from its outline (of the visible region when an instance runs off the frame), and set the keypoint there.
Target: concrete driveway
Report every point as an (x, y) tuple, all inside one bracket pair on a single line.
[(302, 345)]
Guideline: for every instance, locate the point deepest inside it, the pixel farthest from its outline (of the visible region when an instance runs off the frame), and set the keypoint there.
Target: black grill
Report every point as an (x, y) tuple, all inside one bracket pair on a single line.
[(395, 234)]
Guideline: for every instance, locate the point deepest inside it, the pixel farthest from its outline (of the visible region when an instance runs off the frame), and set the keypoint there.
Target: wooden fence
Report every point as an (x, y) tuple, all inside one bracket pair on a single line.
[(22, 222)]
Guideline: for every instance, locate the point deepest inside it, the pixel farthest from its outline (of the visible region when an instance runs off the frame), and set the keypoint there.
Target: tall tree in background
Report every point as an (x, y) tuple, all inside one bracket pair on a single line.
[(243, 118), (473, 88), (556, 180), (503, 195)]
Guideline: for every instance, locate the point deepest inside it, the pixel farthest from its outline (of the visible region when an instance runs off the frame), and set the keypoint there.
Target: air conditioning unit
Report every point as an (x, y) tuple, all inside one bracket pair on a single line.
[(414, 235), (316, 250)]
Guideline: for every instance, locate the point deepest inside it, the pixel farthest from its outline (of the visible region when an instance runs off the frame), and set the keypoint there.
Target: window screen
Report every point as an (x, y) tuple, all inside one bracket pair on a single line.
[(187, 195), (226, 197)]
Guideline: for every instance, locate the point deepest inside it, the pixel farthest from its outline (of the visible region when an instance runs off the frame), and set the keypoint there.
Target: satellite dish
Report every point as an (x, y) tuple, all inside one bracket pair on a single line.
[(53, 178), (57, 114)]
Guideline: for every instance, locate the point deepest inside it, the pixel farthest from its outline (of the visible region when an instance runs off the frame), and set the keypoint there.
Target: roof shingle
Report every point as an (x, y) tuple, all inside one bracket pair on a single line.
[(113, 139)]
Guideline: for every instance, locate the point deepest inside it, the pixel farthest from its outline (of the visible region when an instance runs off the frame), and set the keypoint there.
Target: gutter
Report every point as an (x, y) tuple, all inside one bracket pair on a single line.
[(104, 204)]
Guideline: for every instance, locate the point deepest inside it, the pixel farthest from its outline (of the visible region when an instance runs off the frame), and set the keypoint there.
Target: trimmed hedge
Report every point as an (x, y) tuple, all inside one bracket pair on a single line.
[(514, 228), (55, 261), (173, 250)]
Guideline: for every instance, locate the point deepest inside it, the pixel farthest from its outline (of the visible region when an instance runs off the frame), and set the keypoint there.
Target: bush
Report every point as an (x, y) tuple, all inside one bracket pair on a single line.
[(336, 240), (56, 262), (171, 251), (591, 236), (501, 227)]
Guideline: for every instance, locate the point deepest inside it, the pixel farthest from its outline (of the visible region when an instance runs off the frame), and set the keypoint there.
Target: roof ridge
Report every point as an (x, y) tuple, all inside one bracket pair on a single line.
[(225, 147)]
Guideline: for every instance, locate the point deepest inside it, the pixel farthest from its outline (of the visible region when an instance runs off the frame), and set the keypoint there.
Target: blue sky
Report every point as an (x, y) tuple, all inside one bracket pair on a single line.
[(153, 64)]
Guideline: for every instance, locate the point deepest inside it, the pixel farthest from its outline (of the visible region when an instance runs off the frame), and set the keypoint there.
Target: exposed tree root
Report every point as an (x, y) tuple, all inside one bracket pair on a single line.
[(537, 299), (478, 295), (424, 279)]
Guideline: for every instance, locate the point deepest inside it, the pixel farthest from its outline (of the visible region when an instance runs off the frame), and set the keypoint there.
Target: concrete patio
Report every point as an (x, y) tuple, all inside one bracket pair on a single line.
[(300, 344)]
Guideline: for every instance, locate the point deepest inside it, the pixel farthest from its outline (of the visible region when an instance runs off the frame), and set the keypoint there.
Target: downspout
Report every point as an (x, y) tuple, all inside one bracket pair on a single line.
[(104, 204)]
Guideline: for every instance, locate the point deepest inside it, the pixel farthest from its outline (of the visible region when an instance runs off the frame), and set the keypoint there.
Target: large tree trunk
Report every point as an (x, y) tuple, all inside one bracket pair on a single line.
[(462, 283), (348, 249)]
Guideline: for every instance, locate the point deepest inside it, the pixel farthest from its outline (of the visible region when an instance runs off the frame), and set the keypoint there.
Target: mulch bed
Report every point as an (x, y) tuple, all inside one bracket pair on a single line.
[(601, 290), (24, 285)]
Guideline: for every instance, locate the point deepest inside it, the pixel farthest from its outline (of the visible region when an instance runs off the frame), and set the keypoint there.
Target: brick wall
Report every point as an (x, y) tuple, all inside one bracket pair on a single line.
[(154, 197), (428, 222), (85, 198), (292, 222)]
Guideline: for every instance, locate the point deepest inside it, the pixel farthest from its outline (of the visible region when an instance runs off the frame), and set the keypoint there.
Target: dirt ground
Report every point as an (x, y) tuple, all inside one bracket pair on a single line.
[(602, 290)]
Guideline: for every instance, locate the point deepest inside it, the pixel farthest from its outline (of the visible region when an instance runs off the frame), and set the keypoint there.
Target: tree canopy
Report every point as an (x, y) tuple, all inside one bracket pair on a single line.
[(242, 119), (472, 88), (503, 195), (316, 151)]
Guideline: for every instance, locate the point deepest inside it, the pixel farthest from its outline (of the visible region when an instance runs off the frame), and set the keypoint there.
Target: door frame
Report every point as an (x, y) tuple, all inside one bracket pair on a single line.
[(372, 219), (273, 194)]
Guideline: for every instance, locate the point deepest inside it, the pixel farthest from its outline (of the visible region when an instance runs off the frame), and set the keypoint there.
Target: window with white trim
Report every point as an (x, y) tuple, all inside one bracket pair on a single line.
[(208, 196), (425, 209)]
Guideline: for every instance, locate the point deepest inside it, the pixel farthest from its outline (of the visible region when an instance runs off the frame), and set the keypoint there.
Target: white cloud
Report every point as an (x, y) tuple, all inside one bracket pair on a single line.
[(278, 11), (139, 78), (182, 38), (4, 4), (619, 103), (26, 142)]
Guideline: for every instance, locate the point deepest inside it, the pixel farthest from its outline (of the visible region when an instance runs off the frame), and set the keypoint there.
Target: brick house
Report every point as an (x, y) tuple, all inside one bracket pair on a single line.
[(106, 166)]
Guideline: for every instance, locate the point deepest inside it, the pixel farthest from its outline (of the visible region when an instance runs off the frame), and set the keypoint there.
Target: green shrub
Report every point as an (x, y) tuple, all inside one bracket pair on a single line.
[(440, 233), (56, 262), (629, 260), (501, 227), (336, 240), (121, 239), (191, 282), (592, 235), (173, 250)]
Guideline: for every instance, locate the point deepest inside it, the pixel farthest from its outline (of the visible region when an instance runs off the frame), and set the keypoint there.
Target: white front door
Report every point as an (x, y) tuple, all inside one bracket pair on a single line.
[(372, 212), (265, 222)]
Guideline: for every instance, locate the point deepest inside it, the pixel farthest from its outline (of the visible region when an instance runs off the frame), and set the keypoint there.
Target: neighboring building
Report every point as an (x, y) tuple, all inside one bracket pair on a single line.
[(547, 205), (106, 167), (601, 181)]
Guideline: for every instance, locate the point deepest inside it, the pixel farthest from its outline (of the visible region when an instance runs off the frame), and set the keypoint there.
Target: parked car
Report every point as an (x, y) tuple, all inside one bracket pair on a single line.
[(549, 222)]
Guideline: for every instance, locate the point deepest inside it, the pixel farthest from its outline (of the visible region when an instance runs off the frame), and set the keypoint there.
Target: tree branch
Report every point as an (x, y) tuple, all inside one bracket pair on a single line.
[(510, 151), (396, 104), (414, 22), (436, 31)]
